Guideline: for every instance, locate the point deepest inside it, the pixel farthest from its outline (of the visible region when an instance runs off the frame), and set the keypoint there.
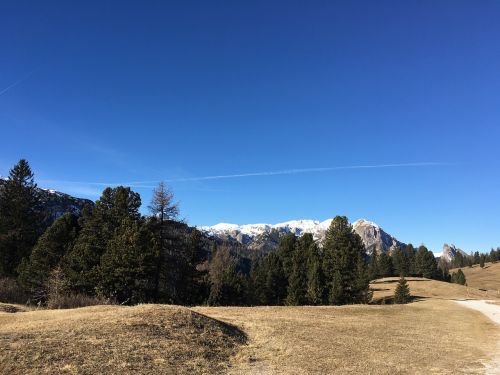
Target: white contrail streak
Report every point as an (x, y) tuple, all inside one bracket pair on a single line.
[(147, 184), (19, 81)]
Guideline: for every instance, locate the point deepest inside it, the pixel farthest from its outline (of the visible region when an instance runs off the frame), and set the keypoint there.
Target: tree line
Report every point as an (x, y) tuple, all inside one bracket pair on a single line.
[(113, 253)]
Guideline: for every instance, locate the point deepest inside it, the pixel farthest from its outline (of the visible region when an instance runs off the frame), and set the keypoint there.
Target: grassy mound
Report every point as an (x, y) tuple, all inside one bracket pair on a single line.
[(145, 339), (426, 288), (483, 278)]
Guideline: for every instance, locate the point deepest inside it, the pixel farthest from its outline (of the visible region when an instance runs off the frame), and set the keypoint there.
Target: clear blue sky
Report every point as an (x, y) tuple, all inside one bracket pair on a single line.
[(118, 92)]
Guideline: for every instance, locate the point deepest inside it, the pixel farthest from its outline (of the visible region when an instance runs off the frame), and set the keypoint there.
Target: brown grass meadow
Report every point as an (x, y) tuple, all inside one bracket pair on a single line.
[(432, 335)]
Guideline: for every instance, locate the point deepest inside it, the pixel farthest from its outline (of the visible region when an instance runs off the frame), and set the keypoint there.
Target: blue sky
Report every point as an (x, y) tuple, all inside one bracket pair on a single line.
[(119, 92)]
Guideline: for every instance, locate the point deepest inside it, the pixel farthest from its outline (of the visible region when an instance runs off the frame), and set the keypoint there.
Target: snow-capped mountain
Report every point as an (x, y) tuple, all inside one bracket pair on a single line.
[(57, 203), (266, 236)]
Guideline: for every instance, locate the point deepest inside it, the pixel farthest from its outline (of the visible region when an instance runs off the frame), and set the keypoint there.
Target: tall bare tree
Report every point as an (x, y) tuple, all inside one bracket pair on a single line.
[(162, 204)]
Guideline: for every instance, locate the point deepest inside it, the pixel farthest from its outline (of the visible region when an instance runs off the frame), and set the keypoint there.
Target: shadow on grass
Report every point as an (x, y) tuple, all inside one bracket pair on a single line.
[(389, 300)]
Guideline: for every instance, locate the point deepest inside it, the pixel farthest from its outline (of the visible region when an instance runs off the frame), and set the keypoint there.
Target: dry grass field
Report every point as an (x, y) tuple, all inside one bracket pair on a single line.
[(484, 278), (145, 339), (426, 337), (426, 288), (433, 335)]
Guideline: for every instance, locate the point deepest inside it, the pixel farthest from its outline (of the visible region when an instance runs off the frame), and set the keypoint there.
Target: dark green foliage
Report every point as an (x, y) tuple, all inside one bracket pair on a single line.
[(477, 258), (373, 271), (400, 262), (298, 279), (458, 277), (385, 267), (81, 265), (50, 248), (343, 251), (402, 292), (410, 256), (286, 251), (426, 265), (21, 218), (315, 278), (227, 284), (126, 267), (482, 260)]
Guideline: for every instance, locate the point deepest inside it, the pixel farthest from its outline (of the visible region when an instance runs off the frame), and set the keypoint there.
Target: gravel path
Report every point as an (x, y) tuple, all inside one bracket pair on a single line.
[(492, 311)]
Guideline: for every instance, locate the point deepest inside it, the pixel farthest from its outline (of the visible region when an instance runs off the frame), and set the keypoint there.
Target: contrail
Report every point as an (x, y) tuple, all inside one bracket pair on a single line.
[(15, 83), (147, 184)]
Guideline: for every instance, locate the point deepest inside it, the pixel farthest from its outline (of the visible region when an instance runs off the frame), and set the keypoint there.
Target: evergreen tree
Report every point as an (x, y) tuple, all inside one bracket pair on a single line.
[(402, 292), (385, 266), (50, 248), (126, 268), (343, 249), (276, 282), (226, 282), (458, 277), (81, 264), (400, 262), (482, 260), (410, 255), (195, 282), (477, 258), (315, 278), (286, 251), (297, 281), (373, 270), (21, 217), (425, 263)]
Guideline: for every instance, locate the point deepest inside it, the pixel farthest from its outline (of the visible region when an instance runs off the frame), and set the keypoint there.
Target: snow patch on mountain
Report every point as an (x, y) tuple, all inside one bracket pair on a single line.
[(266, 236)]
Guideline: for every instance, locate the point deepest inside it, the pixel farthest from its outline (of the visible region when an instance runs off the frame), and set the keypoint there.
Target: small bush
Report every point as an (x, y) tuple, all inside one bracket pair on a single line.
[(11, 291)]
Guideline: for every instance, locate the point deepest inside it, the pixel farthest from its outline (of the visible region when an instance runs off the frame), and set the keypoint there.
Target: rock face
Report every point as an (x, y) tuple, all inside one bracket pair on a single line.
[(375, 239), (450, 252), (265, 237), (57, 203)]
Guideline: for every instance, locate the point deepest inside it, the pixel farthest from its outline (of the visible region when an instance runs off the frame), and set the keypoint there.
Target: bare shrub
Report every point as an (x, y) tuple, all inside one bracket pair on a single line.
[(12, 292), (59, 297)]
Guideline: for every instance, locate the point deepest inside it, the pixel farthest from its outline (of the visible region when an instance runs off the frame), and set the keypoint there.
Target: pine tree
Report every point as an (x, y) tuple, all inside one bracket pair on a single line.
[(400, 262), (315, 278), (50, 248), (410, 254), (297, 281), (425, 263), (226, 282), (81, 264), (402, 292), (482, 260), (385, 266), (126, 268), (343, 249), (373, 270), (21, 217), (286, 251), (458, 277)]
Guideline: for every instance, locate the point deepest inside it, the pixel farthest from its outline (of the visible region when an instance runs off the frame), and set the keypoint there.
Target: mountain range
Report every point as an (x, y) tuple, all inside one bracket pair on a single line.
[(265, 237), (57, 203)]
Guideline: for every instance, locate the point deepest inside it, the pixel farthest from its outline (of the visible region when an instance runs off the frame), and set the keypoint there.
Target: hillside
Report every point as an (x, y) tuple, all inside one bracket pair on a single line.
[(426, 288), (145, 339), (483, 278)]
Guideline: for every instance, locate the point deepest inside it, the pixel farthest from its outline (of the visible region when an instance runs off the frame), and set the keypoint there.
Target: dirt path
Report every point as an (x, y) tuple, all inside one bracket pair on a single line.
[(492, 311)]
